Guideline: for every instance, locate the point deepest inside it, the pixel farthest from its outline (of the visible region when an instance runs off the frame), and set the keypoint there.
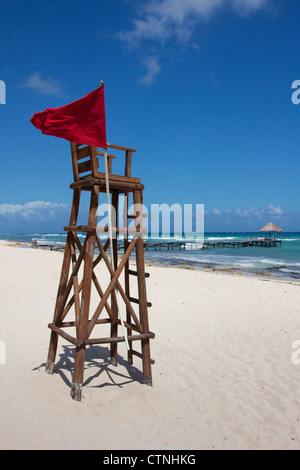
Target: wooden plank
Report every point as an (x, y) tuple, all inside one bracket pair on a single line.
[(88, 182), (133, 216), (121, 230), (84, 166), (100, 257), (128, 163), (127, 281), (130, 326), (64, 285), (142, 294), (134, 273), (61, 299), (120, 147), (83, 152), (120, 288), (111, 285), (75, 283), (114, 303), (101, 154), (63, 334), (70, 324), (119, 178), (94, 162), (82, 183), (118, 339), (136, 301), (100, 292), (89, 251), (138, 354), (93, 228), (83, 342), (71, 301), (74, 156), (79, 228)]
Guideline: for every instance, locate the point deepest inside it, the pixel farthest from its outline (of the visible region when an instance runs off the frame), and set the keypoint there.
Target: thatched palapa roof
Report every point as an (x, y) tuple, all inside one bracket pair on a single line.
[(271, 228)]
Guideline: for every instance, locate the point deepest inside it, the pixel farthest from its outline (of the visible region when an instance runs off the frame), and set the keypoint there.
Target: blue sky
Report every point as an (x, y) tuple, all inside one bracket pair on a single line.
[(201, 88)]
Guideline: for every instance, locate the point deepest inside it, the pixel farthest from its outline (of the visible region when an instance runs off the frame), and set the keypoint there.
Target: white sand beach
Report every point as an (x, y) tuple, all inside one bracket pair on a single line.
[(223, 376)]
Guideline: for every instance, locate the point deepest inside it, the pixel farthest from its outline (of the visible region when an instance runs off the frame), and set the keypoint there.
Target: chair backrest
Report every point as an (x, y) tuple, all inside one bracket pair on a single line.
[(85, 162)]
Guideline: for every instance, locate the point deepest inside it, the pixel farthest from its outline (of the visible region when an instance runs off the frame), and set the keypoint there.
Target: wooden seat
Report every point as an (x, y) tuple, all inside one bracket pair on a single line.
[(86, 172)]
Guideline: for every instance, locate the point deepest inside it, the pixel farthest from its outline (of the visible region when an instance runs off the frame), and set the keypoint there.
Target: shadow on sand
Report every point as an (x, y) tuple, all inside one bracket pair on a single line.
[(97, 363)]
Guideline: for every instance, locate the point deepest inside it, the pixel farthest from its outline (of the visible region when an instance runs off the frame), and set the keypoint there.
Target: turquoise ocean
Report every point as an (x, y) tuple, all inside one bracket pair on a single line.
[(282, 262)]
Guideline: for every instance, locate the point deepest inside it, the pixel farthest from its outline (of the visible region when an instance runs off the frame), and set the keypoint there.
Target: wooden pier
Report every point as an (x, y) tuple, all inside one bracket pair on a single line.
[(258, 242), (184, 245)]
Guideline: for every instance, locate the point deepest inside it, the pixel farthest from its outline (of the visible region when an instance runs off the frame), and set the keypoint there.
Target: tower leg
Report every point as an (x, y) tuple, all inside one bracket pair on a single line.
[(62, 284), (82, 328), (126, 276), (140, 263), (114, 304), (76, 389), (61, 289)]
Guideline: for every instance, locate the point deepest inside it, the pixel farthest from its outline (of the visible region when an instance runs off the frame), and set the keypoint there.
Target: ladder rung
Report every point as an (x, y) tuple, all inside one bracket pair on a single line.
[(80, 342), (134, 273), (121, 230), (130, 326), (91, 228), (79, 228), (133, 216), (138, 354), (136, 301)]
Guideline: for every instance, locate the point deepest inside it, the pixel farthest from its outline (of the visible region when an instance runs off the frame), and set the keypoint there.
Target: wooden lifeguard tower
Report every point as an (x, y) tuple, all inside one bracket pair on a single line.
[(74, 295)]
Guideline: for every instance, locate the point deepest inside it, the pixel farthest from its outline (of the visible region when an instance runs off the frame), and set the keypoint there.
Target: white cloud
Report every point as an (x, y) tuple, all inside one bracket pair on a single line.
[(161, 20), (152, 69), (275, 210), (37, 210), (246, 7), (158, 21), (251, 219), (250, 212), (7, 209), (164, 19), (216, 211), (46, 86)]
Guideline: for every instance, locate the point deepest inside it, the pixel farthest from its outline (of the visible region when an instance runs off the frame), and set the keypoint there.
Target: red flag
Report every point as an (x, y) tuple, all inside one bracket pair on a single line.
[(82, 121)]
